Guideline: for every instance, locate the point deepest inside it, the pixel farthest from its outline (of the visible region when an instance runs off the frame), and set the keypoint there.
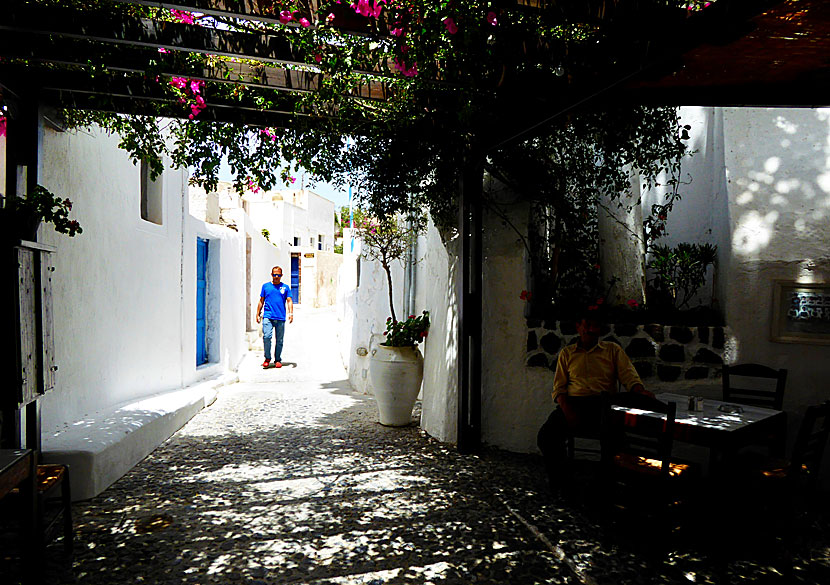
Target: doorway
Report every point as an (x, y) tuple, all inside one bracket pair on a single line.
[(201, 300)]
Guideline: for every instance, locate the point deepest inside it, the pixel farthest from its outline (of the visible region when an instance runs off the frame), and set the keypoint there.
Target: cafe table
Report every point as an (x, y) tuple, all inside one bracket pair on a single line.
[(722, 427), (725, 426)]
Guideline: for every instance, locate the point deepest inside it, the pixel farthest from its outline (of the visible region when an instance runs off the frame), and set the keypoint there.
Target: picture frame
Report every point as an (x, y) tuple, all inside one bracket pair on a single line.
[(800, 312)]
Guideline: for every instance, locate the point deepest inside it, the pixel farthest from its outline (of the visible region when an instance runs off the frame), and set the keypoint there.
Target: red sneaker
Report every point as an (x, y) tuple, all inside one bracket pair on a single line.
[(277, 364), (265, 364)]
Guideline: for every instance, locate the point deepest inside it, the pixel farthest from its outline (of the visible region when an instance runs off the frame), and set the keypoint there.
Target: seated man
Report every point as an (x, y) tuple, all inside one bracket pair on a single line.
[(584, 371)]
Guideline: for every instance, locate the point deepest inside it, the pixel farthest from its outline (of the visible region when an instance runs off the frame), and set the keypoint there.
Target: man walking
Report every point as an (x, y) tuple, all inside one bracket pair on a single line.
[(275, 298)]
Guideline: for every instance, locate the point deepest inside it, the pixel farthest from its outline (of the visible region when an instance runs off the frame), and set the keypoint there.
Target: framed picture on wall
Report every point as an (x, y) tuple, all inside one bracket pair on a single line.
[(800, 312)]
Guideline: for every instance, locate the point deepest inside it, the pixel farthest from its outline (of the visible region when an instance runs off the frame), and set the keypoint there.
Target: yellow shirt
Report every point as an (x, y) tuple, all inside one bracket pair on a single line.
[(585, 373)]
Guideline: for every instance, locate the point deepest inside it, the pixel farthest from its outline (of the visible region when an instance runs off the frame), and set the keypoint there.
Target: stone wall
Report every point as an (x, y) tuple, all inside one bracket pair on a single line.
[(664, 353)]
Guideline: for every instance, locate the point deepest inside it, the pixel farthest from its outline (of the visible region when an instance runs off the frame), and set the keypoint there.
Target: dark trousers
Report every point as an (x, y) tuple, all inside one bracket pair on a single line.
[(553, 436)]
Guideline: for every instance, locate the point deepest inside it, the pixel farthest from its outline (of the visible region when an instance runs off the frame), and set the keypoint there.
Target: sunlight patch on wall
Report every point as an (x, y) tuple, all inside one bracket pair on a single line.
[(823, 181), (758, 177), (772, 165), (753, 232), (785, 186), (806, 271), (782, 123)]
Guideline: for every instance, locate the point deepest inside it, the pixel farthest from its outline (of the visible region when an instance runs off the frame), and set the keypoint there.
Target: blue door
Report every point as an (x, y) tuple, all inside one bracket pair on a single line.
[(201, 296), (295, 279)]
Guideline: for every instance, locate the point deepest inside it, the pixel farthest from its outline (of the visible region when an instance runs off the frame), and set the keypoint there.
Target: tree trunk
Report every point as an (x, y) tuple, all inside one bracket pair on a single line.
[(389, 282)]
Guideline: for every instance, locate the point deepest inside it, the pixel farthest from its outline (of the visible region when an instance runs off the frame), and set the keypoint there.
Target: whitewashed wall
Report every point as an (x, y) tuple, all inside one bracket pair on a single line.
[(778, 173), (124, 290), (364, 307), (264, 256)]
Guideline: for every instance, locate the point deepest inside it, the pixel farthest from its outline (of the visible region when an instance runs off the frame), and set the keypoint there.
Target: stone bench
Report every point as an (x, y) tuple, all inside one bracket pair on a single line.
[(107, 444)]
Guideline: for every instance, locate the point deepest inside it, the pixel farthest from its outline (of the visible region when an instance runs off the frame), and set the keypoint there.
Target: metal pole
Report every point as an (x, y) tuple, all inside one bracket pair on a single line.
[(469, 304)]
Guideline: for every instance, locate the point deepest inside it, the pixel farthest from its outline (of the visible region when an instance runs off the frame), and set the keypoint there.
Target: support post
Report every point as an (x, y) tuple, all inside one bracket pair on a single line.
[(470, 304)]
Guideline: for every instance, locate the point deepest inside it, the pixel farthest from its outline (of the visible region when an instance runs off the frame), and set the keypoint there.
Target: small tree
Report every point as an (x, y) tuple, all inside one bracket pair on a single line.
[(388, 239)]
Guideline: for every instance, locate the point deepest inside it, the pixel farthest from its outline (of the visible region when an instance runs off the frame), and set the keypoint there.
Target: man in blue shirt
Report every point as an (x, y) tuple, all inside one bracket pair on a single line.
[(275, 298)]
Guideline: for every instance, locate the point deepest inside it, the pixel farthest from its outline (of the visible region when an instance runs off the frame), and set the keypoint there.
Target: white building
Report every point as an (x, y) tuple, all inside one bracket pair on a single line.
[(149, 306), (297, 220)]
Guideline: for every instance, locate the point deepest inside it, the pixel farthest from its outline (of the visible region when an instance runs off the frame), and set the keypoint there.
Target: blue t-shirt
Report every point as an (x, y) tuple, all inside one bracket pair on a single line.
[(275, 298)]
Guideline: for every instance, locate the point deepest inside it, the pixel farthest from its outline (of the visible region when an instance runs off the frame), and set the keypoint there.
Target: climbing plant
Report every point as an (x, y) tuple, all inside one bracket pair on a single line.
[(449, 81)]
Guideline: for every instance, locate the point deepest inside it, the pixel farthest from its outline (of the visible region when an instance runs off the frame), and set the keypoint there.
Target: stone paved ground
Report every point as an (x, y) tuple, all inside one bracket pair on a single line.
[(287, 478)]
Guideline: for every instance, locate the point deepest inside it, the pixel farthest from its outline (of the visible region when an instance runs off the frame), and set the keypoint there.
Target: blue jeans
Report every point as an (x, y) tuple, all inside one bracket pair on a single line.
[(276, 328)]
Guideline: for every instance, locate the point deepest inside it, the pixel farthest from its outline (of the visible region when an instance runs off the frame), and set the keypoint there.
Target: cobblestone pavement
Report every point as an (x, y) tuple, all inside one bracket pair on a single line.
[(288, 482)]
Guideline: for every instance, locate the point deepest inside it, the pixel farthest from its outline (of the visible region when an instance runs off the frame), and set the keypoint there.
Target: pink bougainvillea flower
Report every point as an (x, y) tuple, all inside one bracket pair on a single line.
[(396, 32), (178, 82), (304, 21), (452, 28), (600, 300), (292, 179), (181, 16), (318, 57), (633, 303), (163, 50), (330, 17), (491, 18), (407, 71), (2, 125), (523, 295), (596, 266), (196, 86), (362, 7), (286, 16), (378, 6)]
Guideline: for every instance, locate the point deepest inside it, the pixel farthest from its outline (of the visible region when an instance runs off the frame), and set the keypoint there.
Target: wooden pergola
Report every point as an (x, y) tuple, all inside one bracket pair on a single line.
[(739, 52)]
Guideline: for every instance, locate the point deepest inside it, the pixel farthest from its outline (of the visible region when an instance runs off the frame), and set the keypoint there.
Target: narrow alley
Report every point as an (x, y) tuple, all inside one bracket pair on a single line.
[(288, 478)]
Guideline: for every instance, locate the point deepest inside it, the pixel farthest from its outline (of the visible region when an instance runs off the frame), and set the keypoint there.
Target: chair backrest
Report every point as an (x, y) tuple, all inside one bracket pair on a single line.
[(770, 396), (810, 443), (627, 431)]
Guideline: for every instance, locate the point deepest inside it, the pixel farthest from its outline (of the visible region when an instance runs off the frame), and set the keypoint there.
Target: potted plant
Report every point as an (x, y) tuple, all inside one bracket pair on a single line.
[(21, 216), (396, 367)]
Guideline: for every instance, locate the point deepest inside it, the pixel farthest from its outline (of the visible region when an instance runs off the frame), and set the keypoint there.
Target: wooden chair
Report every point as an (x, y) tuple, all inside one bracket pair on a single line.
[(784, 493), (768, 397), (641, 477), (54, 504), (802, 469)]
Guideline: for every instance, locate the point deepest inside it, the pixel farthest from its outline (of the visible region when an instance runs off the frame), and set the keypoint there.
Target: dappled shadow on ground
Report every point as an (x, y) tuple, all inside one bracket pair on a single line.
[(320, 493)]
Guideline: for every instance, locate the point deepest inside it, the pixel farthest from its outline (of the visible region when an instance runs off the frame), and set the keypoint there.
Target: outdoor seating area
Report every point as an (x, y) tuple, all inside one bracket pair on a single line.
[(328, 496), (641, 480)]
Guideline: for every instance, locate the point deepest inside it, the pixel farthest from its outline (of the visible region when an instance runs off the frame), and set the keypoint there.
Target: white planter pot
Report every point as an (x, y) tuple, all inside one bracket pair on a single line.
[(396, 374)]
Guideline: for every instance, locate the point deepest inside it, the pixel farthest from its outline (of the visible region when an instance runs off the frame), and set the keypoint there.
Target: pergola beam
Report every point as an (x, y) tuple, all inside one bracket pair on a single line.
[(81, 53), (268, 48)]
